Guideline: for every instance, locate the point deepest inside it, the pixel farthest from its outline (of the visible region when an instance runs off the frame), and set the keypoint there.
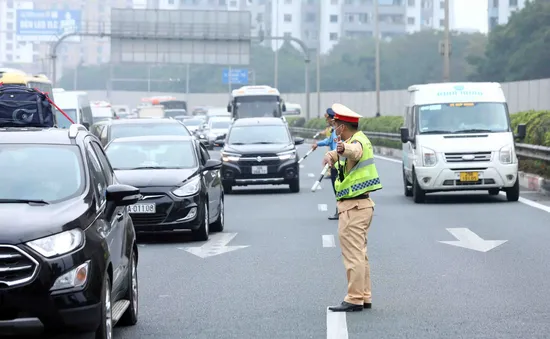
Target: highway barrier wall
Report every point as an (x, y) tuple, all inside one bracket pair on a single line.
[(522, 96)]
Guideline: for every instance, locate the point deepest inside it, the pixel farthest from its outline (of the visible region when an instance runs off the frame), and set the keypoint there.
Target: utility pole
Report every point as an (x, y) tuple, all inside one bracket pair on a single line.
[(319, 60), (276, 66), (447, 46), (187, 82), (377, 57)]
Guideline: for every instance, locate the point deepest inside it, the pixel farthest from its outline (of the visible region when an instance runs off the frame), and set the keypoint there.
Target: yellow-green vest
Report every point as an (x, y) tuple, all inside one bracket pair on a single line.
[(363, 177)]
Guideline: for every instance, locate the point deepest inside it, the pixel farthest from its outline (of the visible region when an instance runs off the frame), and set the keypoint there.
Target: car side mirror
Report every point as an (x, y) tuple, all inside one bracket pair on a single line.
[(212, 164), (522, 132), (122, 195), (405, 137), (298, 140), (87, 125)]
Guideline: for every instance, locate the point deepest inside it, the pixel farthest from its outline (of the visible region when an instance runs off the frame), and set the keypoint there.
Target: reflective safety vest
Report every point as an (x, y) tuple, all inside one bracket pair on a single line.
[(363, 177)]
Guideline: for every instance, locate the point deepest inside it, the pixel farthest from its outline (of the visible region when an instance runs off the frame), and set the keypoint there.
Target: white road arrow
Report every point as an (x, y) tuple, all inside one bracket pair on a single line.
[(470, 240), (216, 245)]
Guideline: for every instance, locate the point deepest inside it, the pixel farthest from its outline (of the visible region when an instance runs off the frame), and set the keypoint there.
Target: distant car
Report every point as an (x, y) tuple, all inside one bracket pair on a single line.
[(141, 127), (260, 151), (180, 184), (173, 113), (193, 123), (217, 127)]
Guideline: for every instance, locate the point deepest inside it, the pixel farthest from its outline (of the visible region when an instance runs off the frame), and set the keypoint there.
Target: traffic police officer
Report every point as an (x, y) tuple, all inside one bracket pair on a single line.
[(330, 141), (357, 177)]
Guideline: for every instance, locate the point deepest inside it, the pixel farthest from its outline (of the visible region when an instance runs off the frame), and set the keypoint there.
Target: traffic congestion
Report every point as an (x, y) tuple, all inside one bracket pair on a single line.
[(155, 219)]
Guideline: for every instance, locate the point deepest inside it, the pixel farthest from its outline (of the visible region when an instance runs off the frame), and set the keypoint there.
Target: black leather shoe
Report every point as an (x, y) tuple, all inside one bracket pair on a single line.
[(346, 307), (367, 305), (333, 217)]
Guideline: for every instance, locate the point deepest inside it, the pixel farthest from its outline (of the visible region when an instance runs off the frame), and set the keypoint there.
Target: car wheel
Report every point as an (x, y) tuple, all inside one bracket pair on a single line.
[(105, 329), (512, 193), (130, 316), (227, 188), (203, 232), (295, 186), (219, 225), (419, 195), (494, 191), (210, 147)]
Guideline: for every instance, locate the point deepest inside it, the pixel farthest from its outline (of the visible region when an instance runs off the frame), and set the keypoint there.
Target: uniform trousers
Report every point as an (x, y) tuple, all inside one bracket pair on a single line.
[(353, 225)]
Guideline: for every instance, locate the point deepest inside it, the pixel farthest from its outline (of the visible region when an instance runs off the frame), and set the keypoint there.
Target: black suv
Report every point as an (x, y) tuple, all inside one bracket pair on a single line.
[(68, 254), (260, 151)]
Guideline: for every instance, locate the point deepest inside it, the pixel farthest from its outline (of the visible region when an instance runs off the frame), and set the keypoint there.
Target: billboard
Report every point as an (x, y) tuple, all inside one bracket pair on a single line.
[(180, 36), (47, 25)]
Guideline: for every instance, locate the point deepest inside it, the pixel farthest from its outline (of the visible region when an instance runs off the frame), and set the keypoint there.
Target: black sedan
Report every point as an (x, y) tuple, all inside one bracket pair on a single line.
[(180, 184)]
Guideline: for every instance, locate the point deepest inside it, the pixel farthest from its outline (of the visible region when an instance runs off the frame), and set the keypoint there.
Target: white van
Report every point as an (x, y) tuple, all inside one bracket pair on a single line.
[(76, 105), (457, 137)]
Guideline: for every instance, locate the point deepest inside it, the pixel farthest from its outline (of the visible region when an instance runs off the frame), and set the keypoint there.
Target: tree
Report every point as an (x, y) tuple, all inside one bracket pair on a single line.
[(518, 50)]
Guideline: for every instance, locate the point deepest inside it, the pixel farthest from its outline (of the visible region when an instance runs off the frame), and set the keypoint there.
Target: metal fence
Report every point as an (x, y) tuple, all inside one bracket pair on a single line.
[(523, 150)]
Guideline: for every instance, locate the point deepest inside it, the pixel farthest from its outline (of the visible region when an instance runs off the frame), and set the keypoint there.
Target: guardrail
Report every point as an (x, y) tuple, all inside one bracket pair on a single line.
[(524, 150)]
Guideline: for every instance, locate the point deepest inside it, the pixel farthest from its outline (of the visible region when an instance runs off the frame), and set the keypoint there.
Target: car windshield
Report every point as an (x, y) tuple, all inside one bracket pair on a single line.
[(463, 118), (244, 135), (223, 124), (62, 121), (151, 155), (30, 173), (257, 106), (147, 129), (193, 122)]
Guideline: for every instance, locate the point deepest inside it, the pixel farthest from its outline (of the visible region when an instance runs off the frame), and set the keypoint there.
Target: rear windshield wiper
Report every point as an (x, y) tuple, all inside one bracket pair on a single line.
[(262, 143), (436, 132), (146, 167), (24, 201), (474, 131)]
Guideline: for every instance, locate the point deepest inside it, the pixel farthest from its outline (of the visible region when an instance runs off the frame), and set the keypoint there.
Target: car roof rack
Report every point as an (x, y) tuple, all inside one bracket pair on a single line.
[(74, 129)]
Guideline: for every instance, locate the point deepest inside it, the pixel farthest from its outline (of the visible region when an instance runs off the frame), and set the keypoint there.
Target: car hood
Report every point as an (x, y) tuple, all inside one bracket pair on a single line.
[(257, 149), (25, 222), (154, 177), (479, 142)]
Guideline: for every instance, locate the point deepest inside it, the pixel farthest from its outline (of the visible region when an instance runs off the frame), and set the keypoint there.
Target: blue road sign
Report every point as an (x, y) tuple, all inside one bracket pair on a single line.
[(32, 22), (238, 76)]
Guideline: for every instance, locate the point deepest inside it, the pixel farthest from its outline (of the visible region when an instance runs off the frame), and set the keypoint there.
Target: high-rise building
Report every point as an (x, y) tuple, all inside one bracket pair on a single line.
[(321, 24), (499, 11), (13, 53)]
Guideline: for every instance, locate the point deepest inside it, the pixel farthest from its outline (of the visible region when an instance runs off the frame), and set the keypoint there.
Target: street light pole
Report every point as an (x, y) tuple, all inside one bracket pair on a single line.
[(276, 65), (447, 46), (377, 57)]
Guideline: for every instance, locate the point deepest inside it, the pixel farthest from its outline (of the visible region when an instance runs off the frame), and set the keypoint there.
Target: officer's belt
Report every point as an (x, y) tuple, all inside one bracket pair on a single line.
[(360, 197)]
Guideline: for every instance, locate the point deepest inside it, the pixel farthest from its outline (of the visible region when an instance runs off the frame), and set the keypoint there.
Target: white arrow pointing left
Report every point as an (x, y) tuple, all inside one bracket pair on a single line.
[(215, 246), (470, 240)]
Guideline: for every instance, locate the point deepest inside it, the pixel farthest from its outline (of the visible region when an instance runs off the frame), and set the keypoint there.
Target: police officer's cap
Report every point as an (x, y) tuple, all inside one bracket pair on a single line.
[(344, 113)]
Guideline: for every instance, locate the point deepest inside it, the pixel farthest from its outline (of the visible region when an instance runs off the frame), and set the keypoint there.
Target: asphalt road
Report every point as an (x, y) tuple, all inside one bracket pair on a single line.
[(281, 284)]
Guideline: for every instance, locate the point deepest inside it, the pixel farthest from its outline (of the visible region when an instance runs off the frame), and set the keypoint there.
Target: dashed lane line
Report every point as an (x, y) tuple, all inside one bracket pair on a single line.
[(322, 207), (337, 325), (328, 240)]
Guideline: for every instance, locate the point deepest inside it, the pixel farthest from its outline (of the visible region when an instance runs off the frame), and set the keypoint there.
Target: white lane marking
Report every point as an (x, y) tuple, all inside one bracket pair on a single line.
[(311, 175), (301, 166), (328, 240), (322, 207), (522, 200), (337, 325), (468, 239)]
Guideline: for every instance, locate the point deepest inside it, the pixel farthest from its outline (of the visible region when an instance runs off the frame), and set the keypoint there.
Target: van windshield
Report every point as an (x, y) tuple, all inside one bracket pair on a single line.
[(471, 117)]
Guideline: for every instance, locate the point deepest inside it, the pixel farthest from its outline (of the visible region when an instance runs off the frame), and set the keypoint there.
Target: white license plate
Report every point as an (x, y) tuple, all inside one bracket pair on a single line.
[(259, 169), (142, 208)]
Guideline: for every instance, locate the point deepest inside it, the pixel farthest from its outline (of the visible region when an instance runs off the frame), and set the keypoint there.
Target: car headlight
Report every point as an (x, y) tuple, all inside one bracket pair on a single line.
[(201, 136), (505, 155), (58, 244), (287, 155), (429, 158), (191, 187), (76, 277), (230, 157)]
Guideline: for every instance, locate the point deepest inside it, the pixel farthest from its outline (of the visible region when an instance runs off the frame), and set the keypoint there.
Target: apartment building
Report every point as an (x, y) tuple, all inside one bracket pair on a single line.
[(12, 51), (499, 11), (321, 24)]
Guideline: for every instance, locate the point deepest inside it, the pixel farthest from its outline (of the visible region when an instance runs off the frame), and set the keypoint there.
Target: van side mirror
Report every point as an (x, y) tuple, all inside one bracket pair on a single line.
[(405, 137), (522, 132), (284, 108), (229, 108)]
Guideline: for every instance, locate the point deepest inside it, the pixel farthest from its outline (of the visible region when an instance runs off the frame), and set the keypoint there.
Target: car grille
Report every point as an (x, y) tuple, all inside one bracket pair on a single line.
[(266, 160), (468, 157), (16, 267)]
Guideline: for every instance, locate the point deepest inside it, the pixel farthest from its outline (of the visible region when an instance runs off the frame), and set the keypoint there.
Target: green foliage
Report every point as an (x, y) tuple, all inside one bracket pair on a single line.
[(518, 50), (538, 126), (349, 67), (296, 121)]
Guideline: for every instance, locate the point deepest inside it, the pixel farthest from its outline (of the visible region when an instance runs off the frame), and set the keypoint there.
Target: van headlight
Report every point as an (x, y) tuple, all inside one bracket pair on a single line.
[(505, 155), (287, 155), (58, 244), (191, 187), (429, 158), (230, 157)]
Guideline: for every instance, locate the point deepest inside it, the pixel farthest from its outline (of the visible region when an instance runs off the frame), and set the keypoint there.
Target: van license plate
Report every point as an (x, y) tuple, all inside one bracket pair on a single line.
[(469, 176), (143, 208), (259, 169)]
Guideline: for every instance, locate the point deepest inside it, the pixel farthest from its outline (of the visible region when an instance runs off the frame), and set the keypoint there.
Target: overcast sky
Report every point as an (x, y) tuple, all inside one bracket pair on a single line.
[(471, 14)]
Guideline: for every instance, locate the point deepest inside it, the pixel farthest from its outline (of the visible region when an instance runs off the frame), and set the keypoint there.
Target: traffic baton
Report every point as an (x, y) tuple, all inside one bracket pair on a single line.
[(318, 182), (305, 156)]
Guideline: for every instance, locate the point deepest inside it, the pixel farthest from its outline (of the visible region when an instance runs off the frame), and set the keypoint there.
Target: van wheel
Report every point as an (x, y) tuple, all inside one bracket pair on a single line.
[(419, 195), (407, 187), (512, 193)]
